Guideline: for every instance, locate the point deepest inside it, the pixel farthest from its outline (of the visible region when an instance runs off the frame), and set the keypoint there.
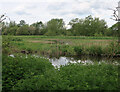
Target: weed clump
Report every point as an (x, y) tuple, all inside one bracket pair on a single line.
[(79, 50), (95, 50)]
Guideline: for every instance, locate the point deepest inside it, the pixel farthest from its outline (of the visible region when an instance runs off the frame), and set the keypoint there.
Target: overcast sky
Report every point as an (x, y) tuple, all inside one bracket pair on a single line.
[(43, 10)]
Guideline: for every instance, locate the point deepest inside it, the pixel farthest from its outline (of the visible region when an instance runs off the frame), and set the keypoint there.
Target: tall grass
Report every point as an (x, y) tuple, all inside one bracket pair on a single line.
[(73, 47)]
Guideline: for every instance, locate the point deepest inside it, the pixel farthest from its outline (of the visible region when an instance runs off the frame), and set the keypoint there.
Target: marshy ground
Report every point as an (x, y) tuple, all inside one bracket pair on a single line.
[(35, 73)]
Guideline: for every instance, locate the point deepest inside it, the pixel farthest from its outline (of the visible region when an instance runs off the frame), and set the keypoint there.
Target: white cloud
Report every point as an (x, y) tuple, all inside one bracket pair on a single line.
[(43, 10), (32, 1)]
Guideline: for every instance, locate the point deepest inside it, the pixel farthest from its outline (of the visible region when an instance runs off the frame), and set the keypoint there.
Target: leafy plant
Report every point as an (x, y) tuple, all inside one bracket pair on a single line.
[(95, 50), (73, 77), (20, 68), (79, 50)]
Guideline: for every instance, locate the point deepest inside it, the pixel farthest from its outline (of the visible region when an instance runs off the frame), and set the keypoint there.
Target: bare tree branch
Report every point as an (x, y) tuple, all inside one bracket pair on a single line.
[(114, 14), (2, 20), (3, 17), (114, 19)]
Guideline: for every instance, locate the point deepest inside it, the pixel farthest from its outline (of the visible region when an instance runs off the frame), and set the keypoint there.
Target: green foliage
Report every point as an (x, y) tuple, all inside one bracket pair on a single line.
[(30, 73), (22, 23), (113, 30), (9, 29), (73, 77), (55, 27), (113, 49), (23, 30), (65, 45), (91, 77), (16, 39), (6, 44), (19, 68), (92, 50), (50, 80), (79, 50), (88, 26), (40, 28), (98, 35), (66, 50), (95, 50)]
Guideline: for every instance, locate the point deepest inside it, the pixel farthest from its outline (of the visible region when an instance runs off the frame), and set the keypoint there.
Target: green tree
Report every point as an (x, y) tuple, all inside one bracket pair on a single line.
[(39, 28), (88, 27), (22, 23), (113, 30), (10, 28), (55, 27), (31, 30), (23, 30)]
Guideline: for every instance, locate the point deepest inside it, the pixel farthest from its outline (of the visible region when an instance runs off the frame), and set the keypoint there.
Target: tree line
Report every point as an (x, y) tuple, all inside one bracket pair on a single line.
[(88, 26)]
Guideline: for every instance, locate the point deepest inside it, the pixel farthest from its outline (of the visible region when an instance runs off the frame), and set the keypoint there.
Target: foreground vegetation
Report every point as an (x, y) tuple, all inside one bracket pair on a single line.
[(39, 74), (21, 73)]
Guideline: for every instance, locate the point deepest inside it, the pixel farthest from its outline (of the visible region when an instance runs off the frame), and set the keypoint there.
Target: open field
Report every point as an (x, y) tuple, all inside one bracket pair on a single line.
[(63, 45)]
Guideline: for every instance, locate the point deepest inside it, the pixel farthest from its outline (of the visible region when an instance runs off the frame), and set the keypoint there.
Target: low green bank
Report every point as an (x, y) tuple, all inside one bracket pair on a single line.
[(61, 46)]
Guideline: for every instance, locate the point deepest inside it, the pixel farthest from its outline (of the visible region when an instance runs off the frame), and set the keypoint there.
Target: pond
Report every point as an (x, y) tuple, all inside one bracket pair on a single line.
[(84, 60)]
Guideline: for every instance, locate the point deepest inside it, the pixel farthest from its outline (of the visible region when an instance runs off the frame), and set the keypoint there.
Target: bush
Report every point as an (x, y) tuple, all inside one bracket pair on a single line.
[(73, 77), (95, 50), (6, 45), (51, 80), (67, 50), (114, 48), (79, 50), (17, 68), (90, 77), (16, 39)]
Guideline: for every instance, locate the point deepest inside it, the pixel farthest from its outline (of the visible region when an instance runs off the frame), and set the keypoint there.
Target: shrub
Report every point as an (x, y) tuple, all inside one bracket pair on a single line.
[(113, 49), (90, 77), (67, 50), (73, 77), (17, 68), (79, 50), (6, 45), (16, 39), (95, 50), (51, 80)]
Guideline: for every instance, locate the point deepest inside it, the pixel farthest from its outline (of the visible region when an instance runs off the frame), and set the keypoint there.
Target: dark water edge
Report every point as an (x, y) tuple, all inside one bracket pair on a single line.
[(63, 60), (83, 59)]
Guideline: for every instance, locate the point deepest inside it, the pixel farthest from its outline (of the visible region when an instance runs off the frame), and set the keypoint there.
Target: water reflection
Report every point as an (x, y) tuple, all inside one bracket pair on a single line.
[(84, 60), (65, 60), (60, 61)]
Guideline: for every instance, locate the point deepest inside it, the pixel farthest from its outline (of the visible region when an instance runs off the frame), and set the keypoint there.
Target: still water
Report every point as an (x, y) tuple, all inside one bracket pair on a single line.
[(84, 60)]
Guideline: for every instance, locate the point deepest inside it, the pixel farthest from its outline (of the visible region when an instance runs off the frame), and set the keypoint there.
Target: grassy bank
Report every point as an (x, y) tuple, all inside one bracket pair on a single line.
[(69, 45), (39, 74)]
